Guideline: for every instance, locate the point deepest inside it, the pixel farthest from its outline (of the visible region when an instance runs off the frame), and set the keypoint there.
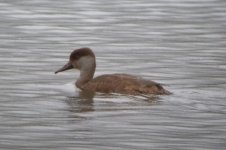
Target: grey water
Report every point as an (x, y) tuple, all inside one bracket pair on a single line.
[(178, 43)]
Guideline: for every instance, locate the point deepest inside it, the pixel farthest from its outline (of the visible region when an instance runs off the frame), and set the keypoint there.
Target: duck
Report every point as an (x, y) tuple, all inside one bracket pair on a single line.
[(84, 60)]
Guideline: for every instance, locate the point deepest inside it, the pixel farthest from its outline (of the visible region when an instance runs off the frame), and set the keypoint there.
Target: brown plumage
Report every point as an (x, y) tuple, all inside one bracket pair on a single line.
[(124, 84), (84, 60)]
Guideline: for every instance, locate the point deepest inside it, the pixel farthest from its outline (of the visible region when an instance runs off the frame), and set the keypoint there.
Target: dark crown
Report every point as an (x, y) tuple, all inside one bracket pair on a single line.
[(78, 53)]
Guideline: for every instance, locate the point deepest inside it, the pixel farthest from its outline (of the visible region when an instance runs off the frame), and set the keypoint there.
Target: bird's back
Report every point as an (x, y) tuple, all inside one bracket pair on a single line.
[(124, 84)]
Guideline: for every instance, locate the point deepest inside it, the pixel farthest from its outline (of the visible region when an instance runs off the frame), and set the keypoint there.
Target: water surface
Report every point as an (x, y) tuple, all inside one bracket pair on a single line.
[(179, 43)]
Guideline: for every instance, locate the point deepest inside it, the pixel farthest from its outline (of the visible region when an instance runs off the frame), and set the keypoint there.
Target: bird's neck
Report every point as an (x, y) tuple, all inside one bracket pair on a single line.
[(87, 66)]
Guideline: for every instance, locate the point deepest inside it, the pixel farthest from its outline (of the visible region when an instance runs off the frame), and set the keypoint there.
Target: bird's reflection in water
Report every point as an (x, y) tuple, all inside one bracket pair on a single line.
[(82, 103), (147, 99), (85, 103)]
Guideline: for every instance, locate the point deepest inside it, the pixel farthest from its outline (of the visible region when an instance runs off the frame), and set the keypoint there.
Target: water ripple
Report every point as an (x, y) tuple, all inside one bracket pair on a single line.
[(179, 43)]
